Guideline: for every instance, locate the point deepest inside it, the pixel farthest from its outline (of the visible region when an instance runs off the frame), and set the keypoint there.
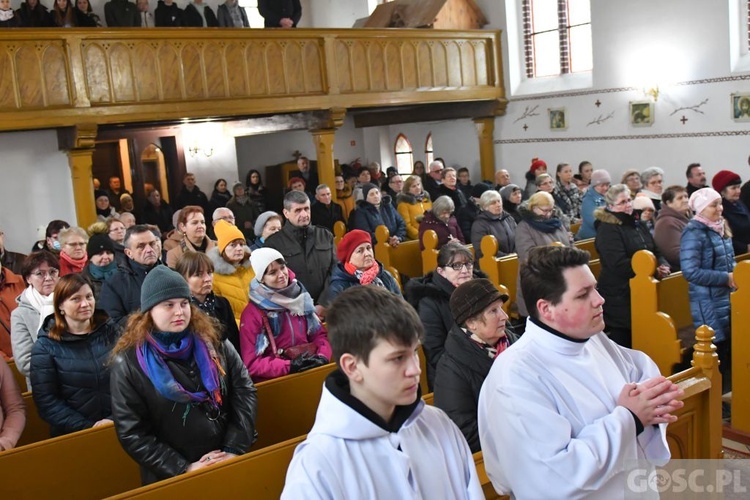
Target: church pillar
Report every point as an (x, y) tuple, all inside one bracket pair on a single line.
[(485, 131), (80, 148), (323, 139)]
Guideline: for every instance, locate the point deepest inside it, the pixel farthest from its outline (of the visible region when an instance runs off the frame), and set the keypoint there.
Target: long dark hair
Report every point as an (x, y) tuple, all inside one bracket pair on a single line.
[(250, 174)]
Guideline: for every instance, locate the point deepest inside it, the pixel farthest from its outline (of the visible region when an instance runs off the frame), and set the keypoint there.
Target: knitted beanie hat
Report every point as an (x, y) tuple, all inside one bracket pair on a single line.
[(99, 243), (600, 177), (508, 190), (473, 297), (261, 258), (260, 222), (478, 189), (366, 188), (701, 199), (226, 233), (725, 178), (162, 284), (642, 202), (99, 193), (350, 242), (535, 164)]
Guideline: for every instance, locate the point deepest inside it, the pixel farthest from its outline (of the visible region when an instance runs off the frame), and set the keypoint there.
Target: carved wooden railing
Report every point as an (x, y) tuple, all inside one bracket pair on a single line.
[(54, 78)]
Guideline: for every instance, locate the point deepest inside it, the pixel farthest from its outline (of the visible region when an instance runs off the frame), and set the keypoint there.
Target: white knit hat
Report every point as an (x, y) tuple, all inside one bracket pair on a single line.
[(261, 258), (701, 199)]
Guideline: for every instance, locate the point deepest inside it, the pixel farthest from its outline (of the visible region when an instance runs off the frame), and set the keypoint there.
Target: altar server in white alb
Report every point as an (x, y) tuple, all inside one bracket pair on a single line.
[(373, 436), (564, 409)]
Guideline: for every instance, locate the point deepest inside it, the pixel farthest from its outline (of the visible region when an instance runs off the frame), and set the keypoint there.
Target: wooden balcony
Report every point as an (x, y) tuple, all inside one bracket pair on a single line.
[(62, 78)]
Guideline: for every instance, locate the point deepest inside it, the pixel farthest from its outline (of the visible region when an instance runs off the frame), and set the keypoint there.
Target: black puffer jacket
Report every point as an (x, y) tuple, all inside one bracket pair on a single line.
[(459, 378), (70, 376), (165, 437), (121, 293)]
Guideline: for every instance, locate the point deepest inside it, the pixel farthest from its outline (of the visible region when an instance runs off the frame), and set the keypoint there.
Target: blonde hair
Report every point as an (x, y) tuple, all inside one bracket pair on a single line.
[(72, 231), (98, 227), (541, 199)]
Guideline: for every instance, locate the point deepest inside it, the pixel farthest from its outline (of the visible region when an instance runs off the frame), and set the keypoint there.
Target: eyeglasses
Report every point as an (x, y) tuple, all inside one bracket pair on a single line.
[(227, 218), (117, 229), (547, 210), (456, 266), (623, 203), (74, 245), (52, 273)]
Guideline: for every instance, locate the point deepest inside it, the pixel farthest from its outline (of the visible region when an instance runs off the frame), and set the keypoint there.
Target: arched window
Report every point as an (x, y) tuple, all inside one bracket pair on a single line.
[(556, 37), (404, 155), (429, 155)]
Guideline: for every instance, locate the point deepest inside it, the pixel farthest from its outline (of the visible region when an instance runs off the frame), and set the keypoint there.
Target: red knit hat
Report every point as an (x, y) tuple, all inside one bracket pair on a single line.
[(350, 242), (535, 164), (723, 179), (295, 180)]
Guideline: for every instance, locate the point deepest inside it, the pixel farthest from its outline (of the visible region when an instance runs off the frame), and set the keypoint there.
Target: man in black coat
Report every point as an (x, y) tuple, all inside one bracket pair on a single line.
[(308, 250), (121, 293), (121, 14), (280, 13), (307, 173), (324, 212), (194, 19), (434, 179), (191, 194)]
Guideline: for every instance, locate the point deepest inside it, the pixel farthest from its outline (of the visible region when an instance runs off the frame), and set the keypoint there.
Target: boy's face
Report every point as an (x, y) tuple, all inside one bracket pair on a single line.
[(390, 379)]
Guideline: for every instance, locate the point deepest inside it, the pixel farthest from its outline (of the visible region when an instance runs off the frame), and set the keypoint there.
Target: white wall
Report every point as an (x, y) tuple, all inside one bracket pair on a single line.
[(36, 186), (337, 13)]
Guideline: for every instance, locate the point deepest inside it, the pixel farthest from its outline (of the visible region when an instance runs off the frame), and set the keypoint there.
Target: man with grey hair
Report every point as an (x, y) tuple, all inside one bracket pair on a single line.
[(502, 179), (222, 213), (434, 179), (309, 251), (324, 212)]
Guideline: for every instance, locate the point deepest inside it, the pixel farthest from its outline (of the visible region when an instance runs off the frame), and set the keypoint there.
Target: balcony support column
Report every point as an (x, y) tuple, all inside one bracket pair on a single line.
[(80, 150), (485, 131), (324, 139)]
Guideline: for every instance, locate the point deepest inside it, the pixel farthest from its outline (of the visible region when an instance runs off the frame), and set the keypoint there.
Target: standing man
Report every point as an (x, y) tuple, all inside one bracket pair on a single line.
[(280, 14), (115, 192), (145, 18), (696, 178), (324, 212), (434, 179), (307, 173), (308, 250), (191, 194), (121, 14), (579, 406)]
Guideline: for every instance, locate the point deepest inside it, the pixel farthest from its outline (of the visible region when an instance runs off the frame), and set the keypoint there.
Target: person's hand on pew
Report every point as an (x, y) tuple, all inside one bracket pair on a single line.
[(652, 401), (103, 421), (393, 241), (210, 458), (663, 271), (730, 281)]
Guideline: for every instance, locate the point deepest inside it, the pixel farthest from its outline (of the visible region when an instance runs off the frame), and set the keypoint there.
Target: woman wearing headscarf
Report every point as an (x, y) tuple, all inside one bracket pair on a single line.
[(412, 202), (231, 259), (41, 270), (181, 398), (73, 256), (357, 266), (512, 196), (707, 261), (280, 332), (441, 220), (737, 215), (101, 262), (619, 235), (69, 361)]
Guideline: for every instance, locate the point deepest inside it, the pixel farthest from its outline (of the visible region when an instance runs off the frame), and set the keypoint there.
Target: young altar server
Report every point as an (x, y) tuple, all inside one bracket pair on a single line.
[(565, 410), (373, 435)]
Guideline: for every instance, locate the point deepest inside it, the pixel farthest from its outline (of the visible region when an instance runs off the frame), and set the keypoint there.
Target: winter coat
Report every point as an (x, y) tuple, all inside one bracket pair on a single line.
[(196, 197), (667, 233), (530, 186), (70, 376), (341, 279), (12, 409), (707, 259), (737, 216), (502, 227), (38, 17), (13, 22), (267, 365), (326, 215), (445, 231), (12, 261), (172, 240), (512, 209), (232, 282), (568, 199), (466, 216), (24, 321), (194, 19), (431, 186), (225, 316), (456, 195), (121, 293), (367, 217), (591, 201), (225, 17), (11, 286), (121, 14), (273, 11), (528, 237), (160, 217), (185, 246), (345, 200), (313, 264), (219, 199), (460, 373), (245, 213), (96, 284), (412, 212), (165, 437), (168, 15), (618, 237)]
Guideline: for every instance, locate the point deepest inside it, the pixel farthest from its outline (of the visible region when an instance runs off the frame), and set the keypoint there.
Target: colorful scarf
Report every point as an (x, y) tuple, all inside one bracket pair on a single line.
[(158, 347), (76, 264), (367, 276), (491, 351), (293, 299), (717, 226)]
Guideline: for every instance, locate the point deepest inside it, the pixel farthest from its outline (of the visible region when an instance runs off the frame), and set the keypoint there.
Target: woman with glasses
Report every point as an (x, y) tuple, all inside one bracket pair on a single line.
[(431, 294), (232, 273), (619, 235), (539, 226), (116, 231), (73, 256), (41, 270)]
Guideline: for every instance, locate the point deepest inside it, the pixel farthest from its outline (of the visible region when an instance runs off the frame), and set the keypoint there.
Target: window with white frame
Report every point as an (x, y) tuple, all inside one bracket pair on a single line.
[(428, 151), (404, 155), (556, 37)]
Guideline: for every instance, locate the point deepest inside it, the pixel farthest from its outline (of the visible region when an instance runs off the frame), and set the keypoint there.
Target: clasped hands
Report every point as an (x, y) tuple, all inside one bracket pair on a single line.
[(652, 401), (210, 458)]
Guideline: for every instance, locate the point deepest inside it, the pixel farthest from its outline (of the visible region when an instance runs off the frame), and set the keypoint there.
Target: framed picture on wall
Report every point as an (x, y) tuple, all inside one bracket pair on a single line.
[(741, 107), (641, 113), (558, 119)]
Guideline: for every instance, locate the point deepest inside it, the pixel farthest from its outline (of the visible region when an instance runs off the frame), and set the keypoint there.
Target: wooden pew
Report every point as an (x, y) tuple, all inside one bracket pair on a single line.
[(588, 245), (575, 227), (36, 429), (20, 379), (339, 230), (502, 271), (741, 349), (430, 252), (405, 258)]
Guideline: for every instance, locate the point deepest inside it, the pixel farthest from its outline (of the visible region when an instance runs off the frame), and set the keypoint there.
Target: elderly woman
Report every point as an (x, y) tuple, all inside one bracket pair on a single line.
[(512, 196), (566, 193), (707, 260), (546, 184), (431, 294), (268, 223), (539, 226), (632, 179), (593, 199), (116, 230), (192, 225), (672, 219), (198, 271), (181, 398), (101, 262), (538, 167), (373, 211), (495, 221), (12, 409), (441, 220), (652, 179), (41, 270), (69, 361), (412, 202), (103, 208), (619, 235), (357, 266), (280, 332), (73, 257), (475, 341), (736, 214), (232, 273)]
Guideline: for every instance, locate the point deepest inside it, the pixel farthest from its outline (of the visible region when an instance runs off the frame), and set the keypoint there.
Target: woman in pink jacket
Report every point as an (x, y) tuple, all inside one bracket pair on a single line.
[(12, 409), (279, 330)]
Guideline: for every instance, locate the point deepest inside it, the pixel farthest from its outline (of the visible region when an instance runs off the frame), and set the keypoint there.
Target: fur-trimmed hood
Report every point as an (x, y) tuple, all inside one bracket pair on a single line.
[(604, 216), (410, 198), (221, 266)]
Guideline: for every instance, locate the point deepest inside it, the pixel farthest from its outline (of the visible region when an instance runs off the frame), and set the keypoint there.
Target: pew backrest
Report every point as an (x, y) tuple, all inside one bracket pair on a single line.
[(589, 246), (36, 429), (20, 379), (501, 271), (339, 230), (406, 258), (741, 348)]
